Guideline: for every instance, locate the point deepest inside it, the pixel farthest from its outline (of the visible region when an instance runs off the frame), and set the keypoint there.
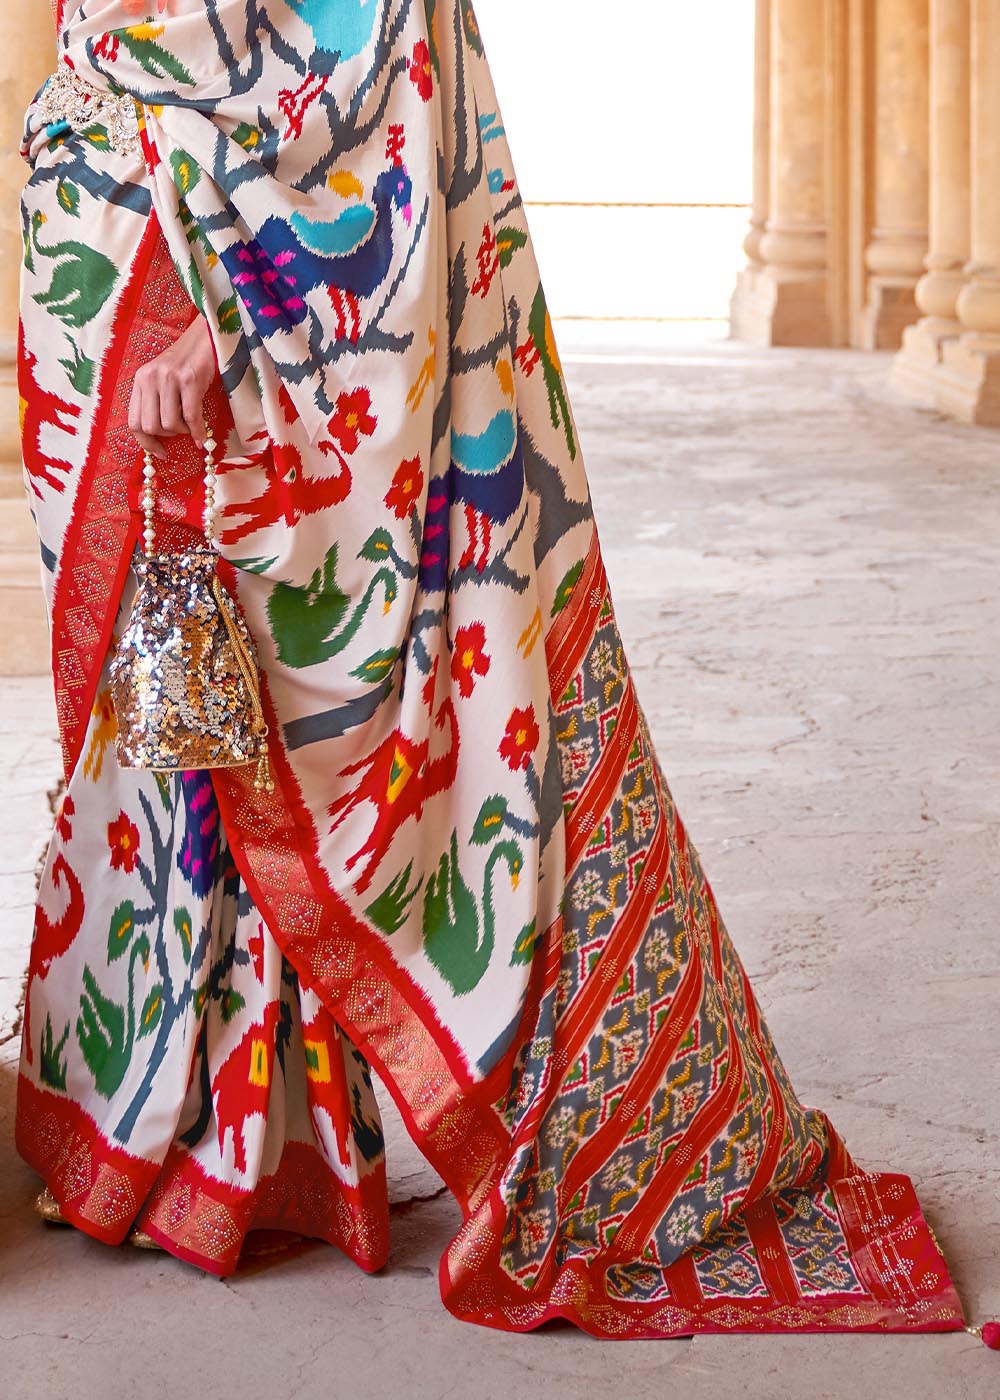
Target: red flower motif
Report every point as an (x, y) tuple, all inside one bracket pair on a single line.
[(63, 825), (352, 419), (123, 839), (520, 739), (420, 70), (106, 47), (469, 659), (406, 487)]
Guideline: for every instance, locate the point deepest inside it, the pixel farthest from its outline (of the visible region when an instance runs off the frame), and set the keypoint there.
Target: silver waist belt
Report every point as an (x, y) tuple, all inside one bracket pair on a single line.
[(66, 97)]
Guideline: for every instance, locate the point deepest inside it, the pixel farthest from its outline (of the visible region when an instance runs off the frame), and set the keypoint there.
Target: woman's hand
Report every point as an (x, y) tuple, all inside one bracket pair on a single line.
[(168, 393)]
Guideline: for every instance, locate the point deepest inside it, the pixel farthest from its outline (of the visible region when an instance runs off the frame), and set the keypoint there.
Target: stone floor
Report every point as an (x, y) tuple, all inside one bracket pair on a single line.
[(806, 575)]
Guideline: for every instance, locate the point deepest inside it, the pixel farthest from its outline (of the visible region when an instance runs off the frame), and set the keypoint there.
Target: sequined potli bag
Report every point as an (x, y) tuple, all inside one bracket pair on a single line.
[(184, 677)]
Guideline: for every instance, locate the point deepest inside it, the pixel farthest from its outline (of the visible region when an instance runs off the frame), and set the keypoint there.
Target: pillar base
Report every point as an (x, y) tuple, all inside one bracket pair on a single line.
[(891, 308), (770, 307), (744, 304), (969, 379), (916, 369)]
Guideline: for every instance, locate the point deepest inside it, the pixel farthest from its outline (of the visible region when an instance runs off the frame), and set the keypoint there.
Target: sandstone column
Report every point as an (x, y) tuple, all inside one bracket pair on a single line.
[(743, 305), (970, 381), (895, 254), (915, 371), (792, 285), (27, 54)]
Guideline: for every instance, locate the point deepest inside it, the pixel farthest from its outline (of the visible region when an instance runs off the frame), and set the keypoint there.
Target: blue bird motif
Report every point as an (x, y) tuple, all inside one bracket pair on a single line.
[(350, 256), (344, 27), (486, 476)]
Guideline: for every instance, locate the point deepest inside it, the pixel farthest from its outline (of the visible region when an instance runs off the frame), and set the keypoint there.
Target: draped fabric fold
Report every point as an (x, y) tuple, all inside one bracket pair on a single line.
[(472, 876)]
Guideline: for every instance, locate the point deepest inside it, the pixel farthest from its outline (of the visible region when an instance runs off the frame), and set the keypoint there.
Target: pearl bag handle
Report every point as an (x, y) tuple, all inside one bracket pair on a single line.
[(149, 494)]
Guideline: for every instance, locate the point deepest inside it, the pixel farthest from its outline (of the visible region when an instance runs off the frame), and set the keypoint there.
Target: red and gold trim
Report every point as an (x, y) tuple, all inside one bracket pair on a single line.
[(105, 1192)]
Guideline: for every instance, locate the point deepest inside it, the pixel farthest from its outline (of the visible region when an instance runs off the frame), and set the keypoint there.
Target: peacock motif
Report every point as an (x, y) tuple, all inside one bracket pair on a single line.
[(460, 932), (350, 255)]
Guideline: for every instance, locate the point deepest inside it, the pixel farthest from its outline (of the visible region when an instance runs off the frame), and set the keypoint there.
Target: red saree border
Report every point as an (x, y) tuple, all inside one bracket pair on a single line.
[(105, 1191), (909, 1293), (100, 1187), (206, 1222), (89, 581), (567, 638)]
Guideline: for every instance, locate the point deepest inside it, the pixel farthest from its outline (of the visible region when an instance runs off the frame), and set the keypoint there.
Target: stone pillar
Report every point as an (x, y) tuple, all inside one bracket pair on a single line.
[(27, 54), (915, 370), (970, 379), (743, 308), (895, 254), (791, 290)]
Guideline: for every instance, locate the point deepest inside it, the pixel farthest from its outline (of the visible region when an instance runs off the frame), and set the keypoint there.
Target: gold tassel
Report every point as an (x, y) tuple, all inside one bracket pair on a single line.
[(263, 782)]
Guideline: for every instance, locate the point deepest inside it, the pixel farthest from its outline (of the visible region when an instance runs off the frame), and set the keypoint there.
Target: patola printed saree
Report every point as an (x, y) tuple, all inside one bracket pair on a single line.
[(471, 878)]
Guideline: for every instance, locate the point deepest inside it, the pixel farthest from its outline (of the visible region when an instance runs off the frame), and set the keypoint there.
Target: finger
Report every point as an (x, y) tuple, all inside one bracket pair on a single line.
[(134, 418), (169, 406), (149, 442), (193, 408), (149, 410)]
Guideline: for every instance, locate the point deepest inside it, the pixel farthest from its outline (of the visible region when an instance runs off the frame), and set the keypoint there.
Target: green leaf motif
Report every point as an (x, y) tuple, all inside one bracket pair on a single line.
[(182, 927), (51, 1061), (490, 821), (163, 788), (565, 589), (377, 546), (121, 930), (524, 945), (185, 169), (377, 666), (80, 368), (508, 241), (230, 1003), (471, 28), (229, 316), (140, 40), (105, 1028), (256, 565), (69, 197), (388, 910), (197, 289), (246, 136), (98, 137), (152, 1010)]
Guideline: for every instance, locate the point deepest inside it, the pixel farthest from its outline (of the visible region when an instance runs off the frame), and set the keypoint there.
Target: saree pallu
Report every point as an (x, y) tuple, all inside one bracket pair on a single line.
[(471, 876)]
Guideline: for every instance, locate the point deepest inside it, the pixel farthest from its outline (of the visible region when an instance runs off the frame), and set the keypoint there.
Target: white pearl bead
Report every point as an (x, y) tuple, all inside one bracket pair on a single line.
[(210, 444)]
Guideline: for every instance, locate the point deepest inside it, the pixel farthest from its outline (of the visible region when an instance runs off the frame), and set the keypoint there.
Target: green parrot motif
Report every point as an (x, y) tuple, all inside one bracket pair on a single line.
[(82, 280), (460, 932), (312, 624)]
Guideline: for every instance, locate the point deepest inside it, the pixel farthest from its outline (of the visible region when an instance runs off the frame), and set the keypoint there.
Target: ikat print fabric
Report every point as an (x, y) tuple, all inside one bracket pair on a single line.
[(472, 879)]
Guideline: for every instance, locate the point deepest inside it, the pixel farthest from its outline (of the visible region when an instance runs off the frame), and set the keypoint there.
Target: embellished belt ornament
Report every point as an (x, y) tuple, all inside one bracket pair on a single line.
[(66, 97)]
